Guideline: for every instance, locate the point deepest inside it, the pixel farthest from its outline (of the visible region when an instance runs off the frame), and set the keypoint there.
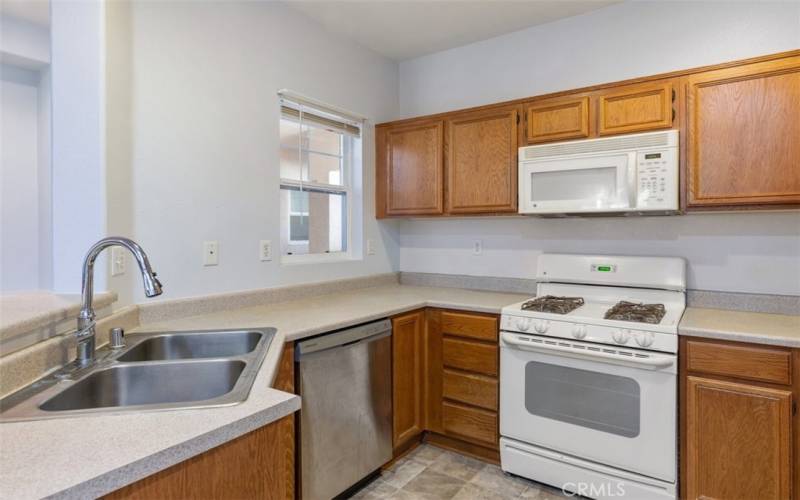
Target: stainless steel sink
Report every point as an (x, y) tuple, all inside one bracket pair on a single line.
[(193, 346), (156, 371), (133, 385)]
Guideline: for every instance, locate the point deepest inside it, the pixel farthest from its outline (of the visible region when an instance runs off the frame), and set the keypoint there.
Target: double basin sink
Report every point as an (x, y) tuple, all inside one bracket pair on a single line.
[(156, 371)]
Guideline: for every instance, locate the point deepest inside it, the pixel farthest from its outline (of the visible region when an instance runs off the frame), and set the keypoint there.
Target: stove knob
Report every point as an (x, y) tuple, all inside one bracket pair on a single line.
[(541, 326), (644, 339), (523, 324), (579, 331), (621, 336)]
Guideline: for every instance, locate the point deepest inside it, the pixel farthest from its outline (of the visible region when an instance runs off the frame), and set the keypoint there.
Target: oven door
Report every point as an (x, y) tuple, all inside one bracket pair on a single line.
[(612, 406), (583, 184)]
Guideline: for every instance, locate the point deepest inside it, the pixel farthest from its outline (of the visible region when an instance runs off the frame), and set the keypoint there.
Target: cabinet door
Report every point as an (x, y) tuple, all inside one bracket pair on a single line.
[(407, 377), (635, 108), (737, 440), (557, 119), (409, 169), (743, 129), (482, 161)]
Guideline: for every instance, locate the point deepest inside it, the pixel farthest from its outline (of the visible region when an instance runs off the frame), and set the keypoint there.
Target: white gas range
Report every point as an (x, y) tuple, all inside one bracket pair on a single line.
[(588, 376)]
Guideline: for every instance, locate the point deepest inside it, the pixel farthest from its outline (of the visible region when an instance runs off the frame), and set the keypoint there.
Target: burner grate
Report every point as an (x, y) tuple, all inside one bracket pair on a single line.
[(553, 304), (640, 313)]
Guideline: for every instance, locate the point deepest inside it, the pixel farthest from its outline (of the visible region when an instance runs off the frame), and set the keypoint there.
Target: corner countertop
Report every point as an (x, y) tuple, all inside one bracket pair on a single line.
[(93, 455), (741, 326)]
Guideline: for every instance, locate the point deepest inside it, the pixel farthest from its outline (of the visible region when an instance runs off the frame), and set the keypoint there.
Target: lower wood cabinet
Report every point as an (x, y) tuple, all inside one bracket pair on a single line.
[(738, 437), (446, 388), (408, 355)]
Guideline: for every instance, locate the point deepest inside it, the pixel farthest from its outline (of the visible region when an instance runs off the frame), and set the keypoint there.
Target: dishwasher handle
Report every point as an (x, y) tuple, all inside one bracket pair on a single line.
[(343, 338)]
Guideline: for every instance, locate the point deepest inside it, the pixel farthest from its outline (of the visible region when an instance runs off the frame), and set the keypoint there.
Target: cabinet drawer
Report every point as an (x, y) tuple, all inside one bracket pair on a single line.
[(470, 356), (477, 390), (764, 364), (470, 423), (470, 325)]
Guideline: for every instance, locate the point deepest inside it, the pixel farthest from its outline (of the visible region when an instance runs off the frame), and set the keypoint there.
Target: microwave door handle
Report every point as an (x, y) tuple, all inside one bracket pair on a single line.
[(633, 191), (602, 357)]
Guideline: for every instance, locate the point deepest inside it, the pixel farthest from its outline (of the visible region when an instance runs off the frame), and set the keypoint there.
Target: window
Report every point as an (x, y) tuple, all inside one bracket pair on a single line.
[(318, 155)]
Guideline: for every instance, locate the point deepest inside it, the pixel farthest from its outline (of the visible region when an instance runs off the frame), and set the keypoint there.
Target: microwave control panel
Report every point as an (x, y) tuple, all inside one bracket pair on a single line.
[(657, 180)]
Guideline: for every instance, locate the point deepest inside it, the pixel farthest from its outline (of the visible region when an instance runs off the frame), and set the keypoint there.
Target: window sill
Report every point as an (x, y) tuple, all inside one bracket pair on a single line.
[(291, 260)]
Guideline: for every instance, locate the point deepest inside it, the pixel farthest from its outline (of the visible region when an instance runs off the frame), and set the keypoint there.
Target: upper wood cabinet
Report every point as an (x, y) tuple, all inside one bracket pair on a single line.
[(634, 108), (557, 119), (743, 142), (738, 440), (407, 378), (409, 169), (481, 161)]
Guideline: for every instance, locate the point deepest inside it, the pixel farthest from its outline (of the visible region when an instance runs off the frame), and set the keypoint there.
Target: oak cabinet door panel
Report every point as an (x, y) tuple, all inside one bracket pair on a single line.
[(738, 440), (743, 143), (635, 108), (481, 158), (557, 119)]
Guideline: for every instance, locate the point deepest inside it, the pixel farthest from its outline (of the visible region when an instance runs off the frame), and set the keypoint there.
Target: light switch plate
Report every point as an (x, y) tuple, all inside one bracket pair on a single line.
[(117, 261), (477, 247), (370, 247), (265, 250), (210, 253)]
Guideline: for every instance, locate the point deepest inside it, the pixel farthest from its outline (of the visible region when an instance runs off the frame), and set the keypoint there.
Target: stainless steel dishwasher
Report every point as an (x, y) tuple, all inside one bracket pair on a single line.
[(345, 382)]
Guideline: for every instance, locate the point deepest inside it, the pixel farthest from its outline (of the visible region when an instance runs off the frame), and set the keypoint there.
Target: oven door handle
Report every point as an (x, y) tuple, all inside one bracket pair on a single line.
[(653, 363)]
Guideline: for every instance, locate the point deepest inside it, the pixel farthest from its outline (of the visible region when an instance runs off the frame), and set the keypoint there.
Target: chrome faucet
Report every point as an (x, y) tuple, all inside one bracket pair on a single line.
[(86, 323)]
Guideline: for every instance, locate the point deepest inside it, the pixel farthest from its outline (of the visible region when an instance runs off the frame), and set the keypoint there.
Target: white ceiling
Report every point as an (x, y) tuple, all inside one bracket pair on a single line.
[(404, 29), (33, 11)]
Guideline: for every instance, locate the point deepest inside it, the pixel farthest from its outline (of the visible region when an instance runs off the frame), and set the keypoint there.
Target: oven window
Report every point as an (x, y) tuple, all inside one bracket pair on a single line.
[(599, 401), (580, 184)]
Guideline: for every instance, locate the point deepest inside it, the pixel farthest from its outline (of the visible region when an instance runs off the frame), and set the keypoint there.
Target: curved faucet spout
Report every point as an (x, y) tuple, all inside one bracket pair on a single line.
[(152, 288)]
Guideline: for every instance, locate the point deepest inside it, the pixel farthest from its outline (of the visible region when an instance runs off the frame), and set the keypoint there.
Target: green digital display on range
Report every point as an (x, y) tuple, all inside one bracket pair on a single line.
[(604, 268), (652, 156)]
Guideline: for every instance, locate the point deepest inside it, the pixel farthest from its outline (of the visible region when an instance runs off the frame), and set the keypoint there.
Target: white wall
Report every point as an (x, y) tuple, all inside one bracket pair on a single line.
[(78, 142), (202, 158), (732, 252), (622, 41), (19, 179), (758, 253)]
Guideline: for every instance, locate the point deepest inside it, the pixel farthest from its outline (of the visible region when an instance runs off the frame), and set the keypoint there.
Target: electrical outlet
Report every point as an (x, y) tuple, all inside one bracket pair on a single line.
[(477, 247), (117, 261), (265, 250), (370, 247), (210, 253)]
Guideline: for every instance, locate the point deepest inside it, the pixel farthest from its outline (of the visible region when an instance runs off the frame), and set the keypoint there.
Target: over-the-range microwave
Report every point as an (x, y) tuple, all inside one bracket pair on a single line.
[(625, 175)]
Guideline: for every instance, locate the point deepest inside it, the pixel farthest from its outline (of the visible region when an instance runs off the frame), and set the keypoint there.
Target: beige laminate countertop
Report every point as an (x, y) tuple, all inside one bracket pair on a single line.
[(89, 456), (741, 326)]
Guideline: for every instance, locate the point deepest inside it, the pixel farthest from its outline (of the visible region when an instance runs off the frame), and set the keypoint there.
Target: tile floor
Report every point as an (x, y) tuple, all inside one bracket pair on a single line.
[(429, 473)]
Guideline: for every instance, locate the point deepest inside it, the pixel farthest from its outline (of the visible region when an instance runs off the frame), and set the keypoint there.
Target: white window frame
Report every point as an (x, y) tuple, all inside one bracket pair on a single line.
[(346, 189)]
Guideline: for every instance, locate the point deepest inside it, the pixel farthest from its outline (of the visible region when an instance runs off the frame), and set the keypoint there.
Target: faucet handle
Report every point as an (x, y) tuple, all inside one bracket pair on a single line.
[(116, 338)]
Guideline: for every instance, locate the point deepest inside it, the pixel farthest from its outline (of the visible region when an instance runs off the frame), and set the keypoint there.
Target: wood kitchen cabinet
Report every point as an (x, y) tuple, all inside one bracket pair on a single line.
[(739, 428), (738, 123), (410, 177), (462, 392), (743, 135), (446, 390), (635, 108), (408, 358), (557, 119), (481, 161)]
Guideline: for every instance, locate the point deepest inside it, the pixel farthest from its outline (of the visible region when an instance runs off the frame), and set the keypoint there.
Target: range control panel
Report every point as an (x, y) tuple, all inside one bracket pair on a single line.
[(657, 180)]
